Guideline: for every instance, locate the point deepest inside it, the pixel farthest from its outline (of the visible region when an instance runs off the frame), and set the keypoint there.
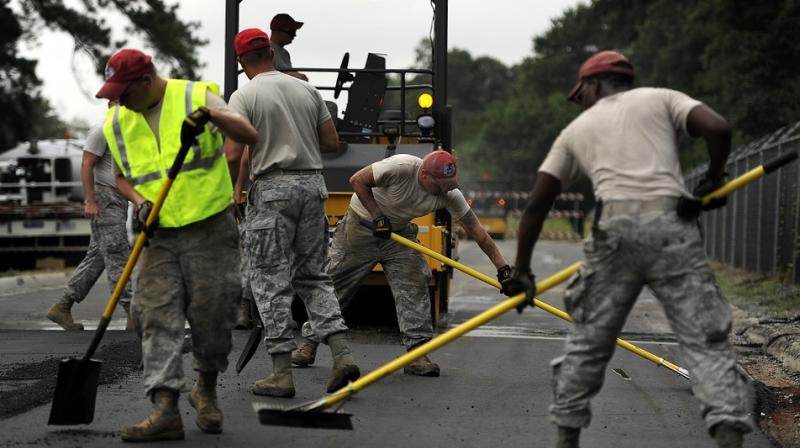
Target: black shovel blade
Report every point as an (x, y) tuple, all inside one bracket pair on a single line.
[(279, 416), (76, 392), (250, 348)]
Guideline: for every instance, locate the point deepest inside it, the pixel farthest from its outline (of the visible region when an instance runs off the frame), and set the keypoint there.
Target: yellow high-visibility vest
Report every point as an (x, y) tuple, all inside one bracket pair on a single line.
[(203, 186)]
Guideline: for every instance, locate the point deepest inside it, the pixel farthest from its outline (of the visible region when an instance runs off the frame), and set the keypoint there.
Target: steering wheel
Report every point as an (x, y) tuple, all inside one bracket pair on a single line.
[(343, 76)]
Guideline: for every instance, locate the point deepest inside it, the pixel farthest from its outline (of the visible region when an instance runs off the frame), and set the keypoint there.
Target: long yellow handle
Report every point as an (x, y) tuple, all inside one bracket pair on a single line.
[(735, 184), (445, 338), (538, 303), (136, 250)]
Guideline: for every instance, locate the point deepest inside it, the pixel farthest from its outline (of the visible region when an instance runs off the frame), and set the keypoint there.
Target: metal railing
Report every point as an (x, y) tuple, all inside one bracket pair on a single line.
[(759, 229)]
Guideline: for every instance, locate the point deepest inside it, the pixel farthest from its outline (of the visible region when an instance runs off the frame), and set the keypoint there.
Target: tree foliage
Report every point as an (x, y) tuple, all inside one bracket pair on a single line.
[(28, 115), (738, 57)]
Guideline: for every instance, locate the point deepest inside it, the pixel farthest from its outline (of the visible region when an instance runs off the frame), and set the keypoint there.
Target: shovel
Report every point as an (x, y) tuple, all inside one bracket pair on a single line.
[(76, 386), (312, 414)]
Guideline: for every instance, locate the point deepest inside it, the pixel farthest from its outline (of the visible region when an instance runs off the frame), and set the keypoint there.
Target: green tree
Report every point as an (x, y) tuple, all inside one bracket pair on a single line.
[(27, 114)]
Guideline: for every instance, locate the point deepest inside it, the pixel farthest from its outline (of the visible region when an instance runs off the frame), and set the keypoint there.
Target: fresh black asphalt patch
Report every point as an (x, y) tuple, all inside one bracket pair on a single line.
[(27, 386)]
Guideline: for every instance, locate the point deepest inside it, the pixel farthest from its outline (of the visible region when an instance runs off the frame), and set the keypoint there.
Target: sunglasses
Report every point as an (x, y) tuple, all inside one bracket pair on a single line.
[(291, 33)]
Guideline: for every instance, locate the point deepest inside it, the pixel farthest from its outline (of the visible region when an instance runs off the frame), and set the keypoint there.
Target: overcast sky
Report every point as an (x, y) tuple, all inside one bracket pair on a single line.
[(502, 29)]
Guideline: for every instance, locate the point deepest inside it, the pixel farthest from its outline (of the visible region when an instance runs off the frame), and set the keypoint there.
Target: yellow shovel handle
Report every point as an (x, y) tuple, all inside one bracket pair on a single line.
[(447, 337), (136, 250), (538, 303)]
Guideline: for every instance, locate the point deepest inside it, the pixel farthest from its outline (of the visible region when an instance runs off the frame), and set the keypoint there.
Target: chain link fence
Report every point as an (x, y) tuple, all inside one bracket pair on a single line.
[(759, 229)]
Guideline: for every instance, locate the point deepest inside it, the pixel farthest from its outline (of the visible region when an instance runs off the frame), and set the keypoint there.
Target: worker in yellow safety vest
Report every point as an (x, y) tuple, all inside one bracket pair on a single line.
[(190, 268)]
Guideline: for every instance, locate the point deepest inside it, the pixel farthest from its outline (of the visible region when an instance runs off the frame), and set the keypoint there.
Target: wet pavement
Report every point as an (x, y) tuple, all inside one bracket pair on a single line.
[(494, 389)]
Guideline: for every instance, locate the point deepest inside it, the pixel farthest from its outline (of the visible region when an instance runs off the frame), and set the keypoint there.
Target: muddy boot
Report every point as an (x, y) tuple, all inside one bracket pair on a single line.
[(422, 366), (243, 319), (344, 368), (728, 436), (164, 423), (204, 399), (568, 437), (305, 355), (61, 314), (280, 383), (128, 321)]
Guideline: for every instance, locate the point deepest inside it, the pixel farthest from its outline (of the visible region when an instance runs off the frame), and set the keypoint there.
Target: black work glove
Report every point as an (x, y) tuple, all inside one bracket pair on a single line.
[(193, 125), (140, 214), (503, 275), (382, 227), (520, 281), (689, 208)]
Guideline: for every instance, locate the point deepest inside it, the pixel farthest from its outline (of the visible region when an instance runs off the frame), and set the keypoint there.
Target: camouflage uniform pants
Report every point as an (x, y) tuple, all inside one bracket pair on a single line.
[(625, 253), (187, 273), (108, 248), (287, 238), (355, 251), (247, 293)]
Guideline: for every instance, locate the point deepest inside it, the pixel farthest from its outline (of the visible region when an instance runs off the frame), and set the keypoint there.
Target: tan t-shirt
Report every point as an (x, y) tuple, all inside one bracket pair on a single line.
[(400, 196), (287, 113), (627, 144)]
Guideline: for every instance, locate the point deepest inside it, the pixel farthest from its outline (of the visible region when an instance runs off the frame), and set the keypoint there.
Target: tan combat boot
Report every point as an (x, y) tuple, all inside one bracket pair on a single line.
[(164, 423), (61, 314), (344, 368), (280, 383), (305, 355), (422, 366), (728, 436), (204, 399), (568, 437)]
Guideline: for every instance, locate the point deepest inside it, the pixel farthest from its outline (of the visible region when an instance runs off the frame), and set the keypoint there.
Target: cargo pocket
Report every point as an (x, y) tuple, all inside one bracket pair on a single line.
[(574, 297), (713, 312), (264, 244)]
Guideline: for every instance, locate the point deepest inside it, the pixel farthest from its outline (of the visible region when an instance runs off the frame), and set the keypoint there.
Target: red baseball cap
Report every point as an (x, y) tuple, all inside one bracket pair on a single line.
[(602, 62), (440, 165), (123, 67), (283, 22), (250, 39)]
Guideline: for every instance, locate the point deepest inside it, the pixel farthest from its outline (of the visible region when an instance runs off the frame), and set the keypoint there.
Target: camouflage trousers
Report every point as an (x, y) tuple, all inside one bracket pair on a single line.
[(287, 236), (187, 273), (247, 293), (355, 251), (627, 252), (108, 248)]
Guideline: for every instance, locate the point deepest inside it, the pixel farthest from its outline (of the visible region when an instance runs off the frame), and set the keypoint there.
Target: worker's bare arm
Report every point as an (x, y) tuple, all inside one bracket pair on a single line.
[(233, 154), (704, 122), (544, 193), (126, 189), (363, 181), (244, 173), (234, 126), (328, 137), (87, 179), (469, 222)]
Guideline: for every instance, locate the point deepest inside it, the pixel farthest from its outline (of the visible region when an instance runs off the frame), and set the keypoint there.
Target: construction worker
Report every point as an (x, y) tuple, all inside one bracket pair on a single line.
[(387, 196), (190, 268), (286, 224), (284, 29), (645, 233), (109, 247)]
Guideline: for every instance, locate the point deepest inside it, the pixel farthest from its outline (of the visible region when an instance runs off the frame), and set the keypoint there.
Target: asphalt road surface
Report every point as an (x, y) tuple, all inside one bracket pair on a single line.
[(494, 389)]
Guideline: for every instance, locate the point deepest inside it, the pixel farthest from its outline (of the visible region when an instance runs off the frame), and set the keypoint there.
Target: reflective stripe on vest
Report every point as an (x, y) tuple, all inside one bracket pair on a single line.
[(197, 162)]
